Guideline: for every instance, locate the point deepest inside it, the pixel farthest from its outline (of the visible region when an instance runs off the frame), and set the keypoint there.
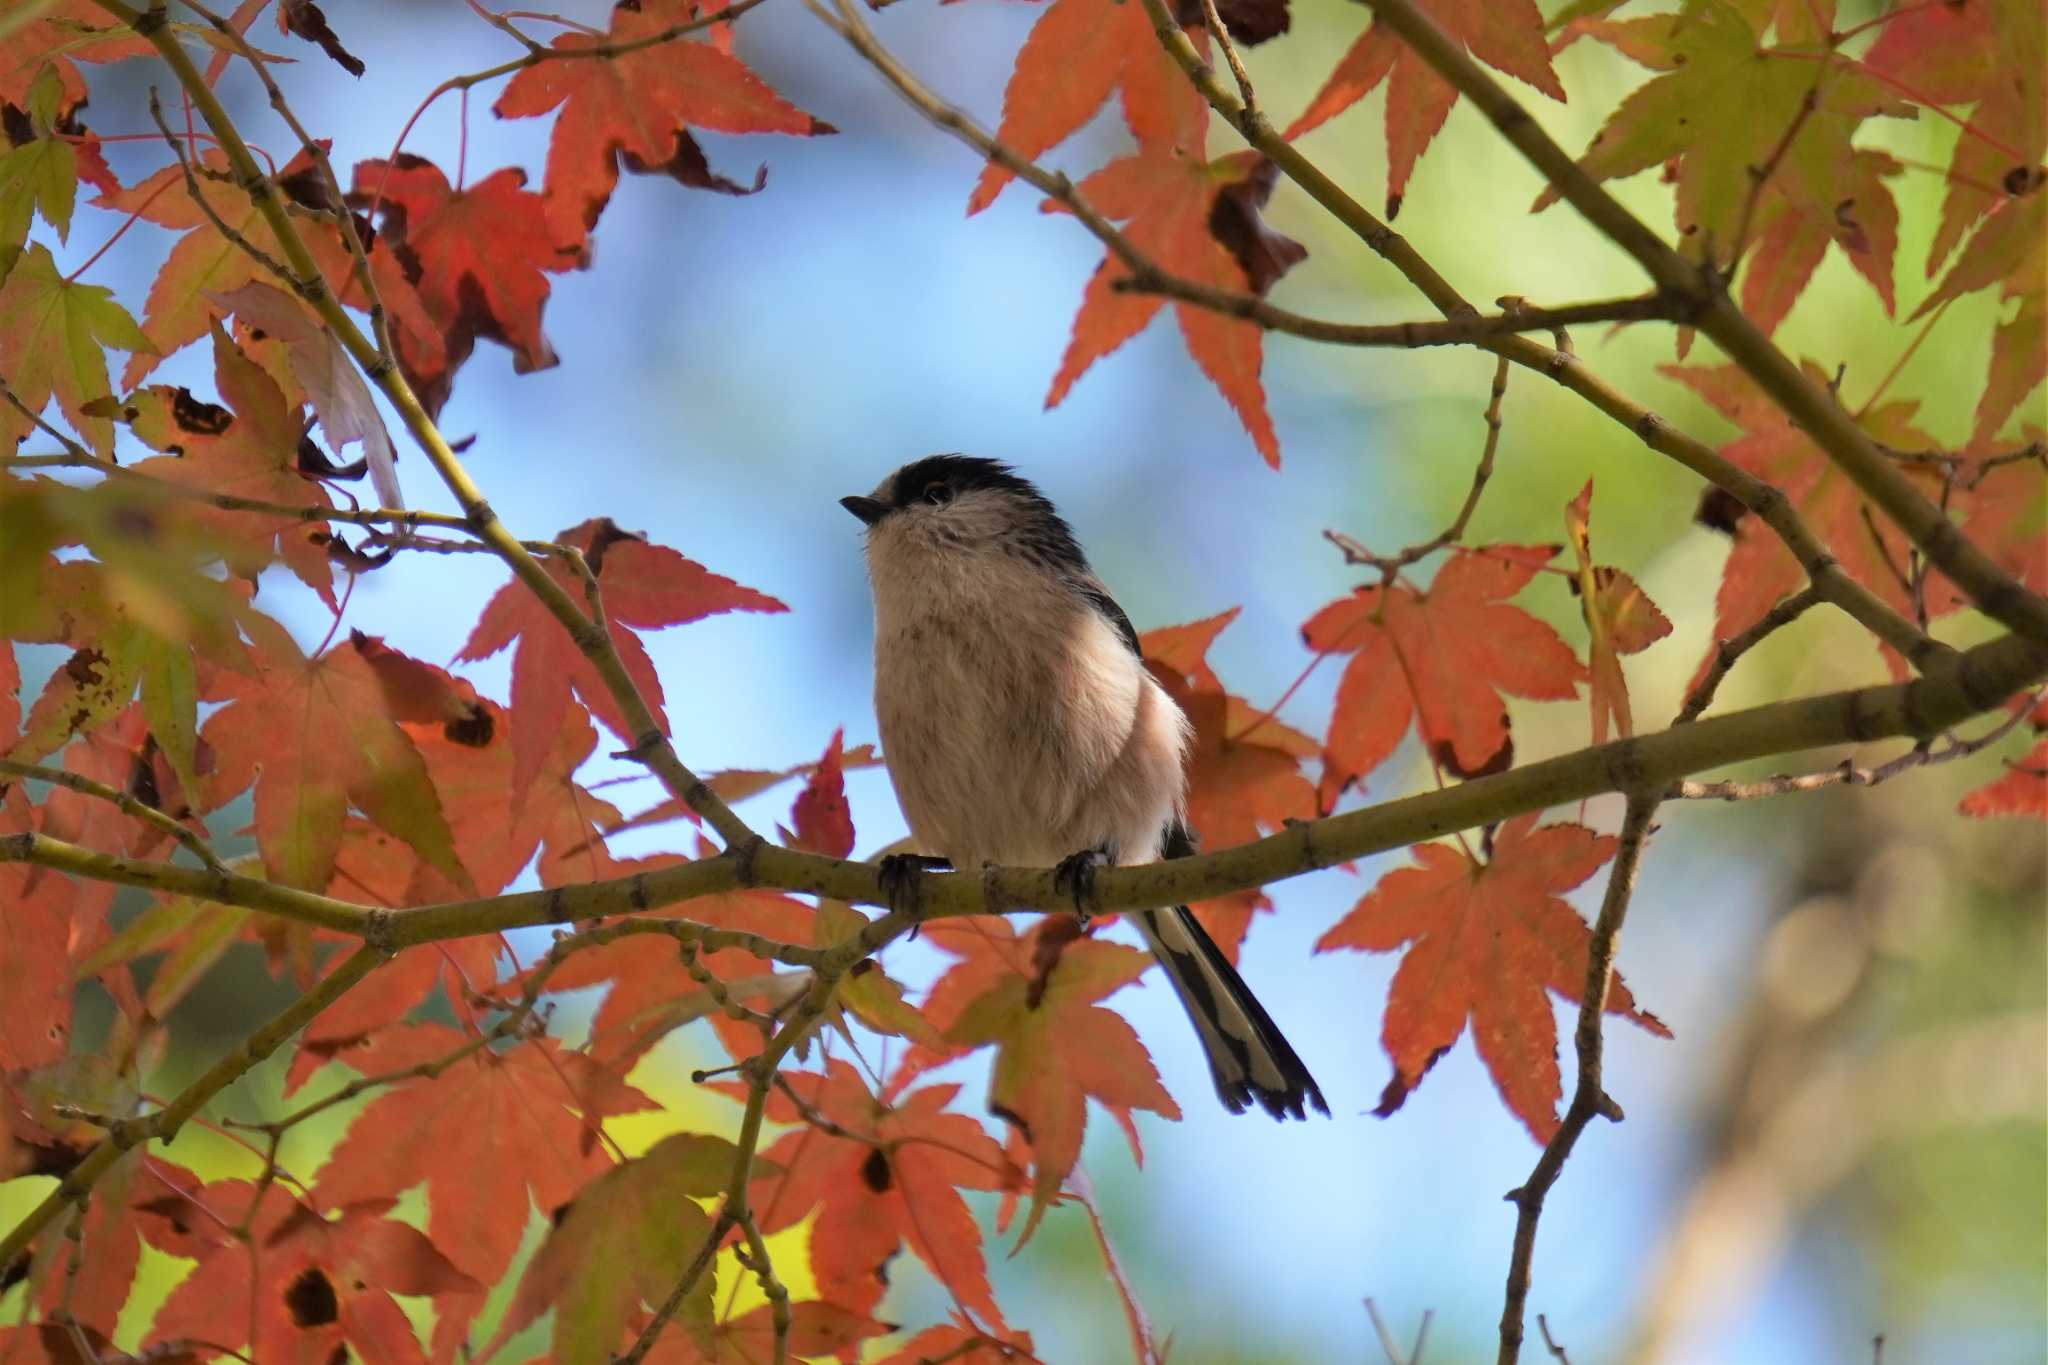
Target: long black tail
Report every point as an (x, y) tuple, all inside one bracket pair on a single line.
[(1249, 1057)]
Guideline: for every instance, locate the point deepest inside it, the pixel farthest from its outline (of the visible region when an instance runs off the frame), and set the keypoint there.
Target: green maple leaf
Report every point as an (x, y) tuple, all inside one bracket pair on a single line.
[(53, 332), (1714, 60)]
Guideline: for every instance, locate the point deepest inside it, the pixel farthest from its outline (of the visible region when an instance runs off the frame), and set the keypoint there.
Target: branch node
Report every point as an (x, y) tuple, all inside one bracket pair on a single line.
[(380, 934), (743, 853)]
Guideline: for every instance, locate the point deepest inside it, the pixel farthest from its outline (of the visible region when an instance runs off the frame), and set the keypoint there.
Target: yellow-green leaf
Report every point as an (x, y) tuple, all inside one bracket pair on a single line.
[(53, 333)]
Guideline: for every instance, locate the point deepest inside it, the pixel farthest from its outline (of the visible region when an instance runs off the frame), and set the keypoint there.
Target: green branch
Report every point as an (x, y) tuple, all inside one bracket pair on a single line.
[(1980, 680)]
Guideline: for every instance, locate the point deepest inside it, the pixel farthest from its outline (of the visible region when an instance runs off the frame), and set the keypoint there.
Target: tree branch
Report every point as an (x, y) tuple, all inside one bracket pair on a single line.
[(1848, 446), (1767, 502), (1727, 652), (1589, 1098), (1982, 678), (128, 805)]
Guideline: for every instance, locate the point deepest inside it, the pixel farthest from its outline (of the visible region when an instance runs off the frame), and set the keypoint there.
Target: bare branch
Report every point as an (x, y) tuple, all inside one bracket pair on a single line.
[(1982, 678), (1589, 1097), (1847, 773), (1355, 553), (1727, 652)]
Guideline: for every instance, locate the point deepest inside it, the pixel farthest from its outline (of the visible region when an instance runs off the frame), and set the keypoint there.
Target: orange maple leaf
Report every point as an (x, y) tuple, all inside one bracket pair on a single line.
[(1443, 656), (644, 585), (1485, 941), (639, 107)]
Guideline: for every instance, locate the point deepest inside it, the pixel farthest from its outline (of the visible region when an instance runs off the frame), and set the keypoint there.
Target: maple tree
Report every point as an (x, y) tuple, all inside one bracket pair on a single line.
[(402, 822)]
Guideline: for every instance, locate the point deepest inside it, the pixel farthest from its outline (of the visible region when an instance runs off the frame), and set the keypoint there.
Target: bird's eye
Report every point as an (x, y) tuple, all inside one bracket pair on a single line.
[(938, 494)]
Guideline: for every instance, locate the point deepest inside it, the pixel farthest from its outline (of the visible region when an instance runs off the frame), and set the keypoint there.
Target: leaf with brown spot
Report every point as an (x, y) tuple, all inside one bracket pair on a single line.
[(896, 1181)]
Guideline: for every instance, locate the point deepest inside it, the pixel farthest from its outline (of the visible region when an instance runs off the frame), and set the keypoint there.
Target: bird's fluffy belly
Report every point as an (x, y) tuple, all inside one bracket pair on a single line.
[(997, 757)]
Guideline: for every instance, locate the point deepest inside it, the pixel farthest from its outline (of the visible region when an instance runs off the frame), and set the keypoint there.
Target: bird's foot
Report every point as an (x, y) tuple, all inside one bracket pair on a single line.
[(1075, 875), (902, 879)]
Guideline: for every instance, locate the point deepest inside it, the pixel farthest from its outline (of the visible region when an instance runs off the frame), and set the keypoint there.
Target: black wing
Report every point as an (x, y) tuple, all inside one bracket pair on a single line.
[(1095, 595)]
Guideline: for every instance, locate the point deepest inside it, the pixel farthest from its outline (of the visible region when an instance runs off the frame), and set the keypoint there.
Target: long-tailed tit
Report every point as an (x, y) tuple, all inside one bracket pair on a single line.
[(1021, 728)]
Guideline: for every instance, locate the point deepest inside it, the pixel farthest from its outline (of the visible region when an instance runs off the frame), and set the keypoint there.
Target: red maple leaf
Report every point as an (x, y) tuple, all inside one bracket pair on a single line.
[(1198, 220), (35, 954), (824, 823), (1485, 941), (1792, 234), (1244, 766), (481, 254), (1446, 656), (644, 585), (2023, 790), (964, 1342), (1506, 34), (1035, 997), (2010, 251), (639, 107), (1079, 54), (895, 1181), (1620, 618), (310, 1287), (490, 1136), (316, 738)]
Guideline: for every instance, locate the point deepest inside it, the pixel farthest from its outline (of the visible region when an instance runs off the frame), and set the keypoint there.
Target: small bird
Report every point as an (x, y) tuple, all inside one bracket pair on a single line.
[(1021, 728)]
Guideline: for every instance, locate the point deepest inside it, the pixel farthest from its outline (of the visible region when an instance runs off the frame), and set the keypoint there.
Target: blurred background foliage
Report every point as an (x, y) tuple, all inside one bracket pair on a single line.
[(1846, 1138)]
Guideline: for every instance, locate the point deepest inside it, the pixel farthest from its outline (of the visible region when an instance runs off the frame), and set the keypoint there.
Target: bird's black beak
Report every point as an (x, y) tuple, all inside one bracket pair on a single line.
[(869, 510)]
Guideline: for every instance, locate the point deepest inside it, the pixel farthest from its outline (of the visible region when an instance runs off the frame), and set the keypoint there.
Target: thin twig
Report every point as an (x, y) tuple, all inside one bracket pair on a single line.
[(1760, 176), (128, 805), (247, 247), (1220, 33), (1726, 652), (1389, 566), (1589, 1096), (316, 154), (1848, 773), (1550, 1342), (1147, 276)]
